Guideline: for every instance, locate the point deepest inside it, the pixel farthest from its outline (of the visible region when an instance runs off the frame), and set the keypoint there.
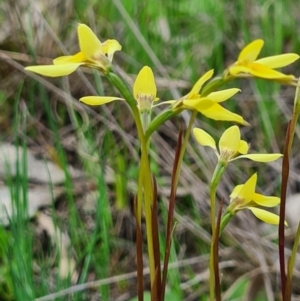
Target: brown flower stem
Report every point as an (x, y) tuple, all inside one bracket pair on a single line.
[(290, 133)]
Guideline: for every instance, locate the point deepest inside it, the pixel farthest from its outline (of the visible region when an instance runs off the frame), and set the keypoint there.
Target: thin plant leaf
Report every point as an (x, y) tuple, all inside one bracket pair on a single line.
[(139, 255), (284, 182), (171, 213)]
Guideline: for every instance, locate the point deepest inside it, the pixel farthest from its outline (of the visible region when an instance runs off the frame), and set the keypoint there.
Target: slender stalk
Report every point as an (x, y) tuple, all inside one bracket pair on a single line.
[(170, 216), (293, 125), (215, 240), (158, 121), (139, 257), (216, 178), (225, 220), (148, 200), (184, 146), (285, 174), (284, 182), (215, 83), (156, 287), (123, 89), (291, 265), (146, 189), (219, 171)]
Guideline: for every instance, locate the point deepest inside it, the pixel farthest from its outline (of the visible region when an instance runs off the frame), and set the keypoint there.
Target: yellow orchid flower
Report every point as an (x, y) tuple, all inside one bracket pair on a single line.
[(144, 92), (247, 63), (144, 89), (92, 54), (231, 147), (208, 105), (244, 197)]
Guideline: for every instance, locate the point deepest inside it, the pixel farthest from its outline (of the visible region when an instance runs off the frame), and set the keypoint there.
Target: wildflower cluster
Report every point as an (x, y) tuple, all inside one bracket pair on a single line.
[(206, 98)]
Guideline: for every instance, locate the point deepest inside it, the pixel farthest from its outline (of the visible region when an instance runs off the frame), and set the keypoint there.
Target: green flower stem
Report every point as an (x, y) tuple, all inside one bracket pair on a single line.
[(218, 173), (158, 121), (146, 189), (294, 120), (215, 83), (225, 220), (116, 81), (148, 201), (123, 89), (295, 117)]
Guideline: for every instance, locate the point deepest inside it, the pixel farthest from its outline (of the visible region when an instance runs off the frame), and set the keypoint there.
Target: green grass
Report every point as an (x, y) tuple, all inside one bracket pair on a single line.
[(179, 40)]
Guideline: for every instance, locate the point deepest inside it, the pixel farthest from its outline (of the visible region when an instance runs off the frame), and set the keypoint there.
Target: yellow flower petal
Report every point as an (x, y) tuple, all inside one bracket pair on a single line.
[(265, 216), (66, 59), (91, 54), (243, 147), (201, 81), (237, 69), (268, 73), (235, 191), (248, 189), (54, 70), (262, 68), (261, 157), (265, 201), (98, 100), (144, 84), (199, 104), (278, 61), (89, 44), (109, 47), (217, 112), (223, 95), (230, 140), (251, 51), (204, 138)]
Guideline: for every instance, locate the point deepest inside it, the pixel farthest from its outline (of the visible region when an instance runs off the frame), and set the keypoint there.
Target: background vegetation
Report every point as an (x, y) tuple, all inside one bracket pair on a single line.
[(86, 233)]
